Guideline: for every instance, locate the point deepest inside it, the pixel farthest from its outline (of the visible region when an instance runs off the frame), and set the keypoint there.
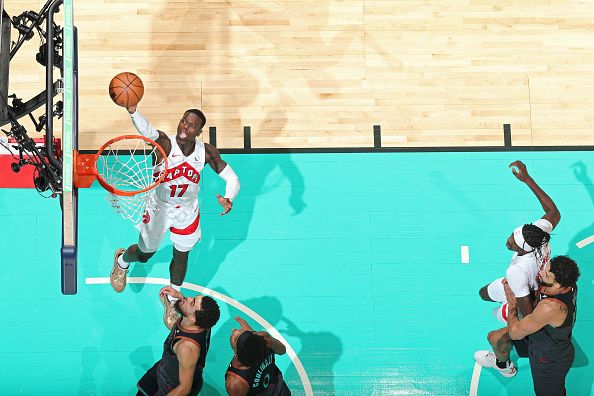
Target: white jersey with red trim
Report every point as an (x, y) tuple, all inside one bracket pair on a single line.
[(181, 184)]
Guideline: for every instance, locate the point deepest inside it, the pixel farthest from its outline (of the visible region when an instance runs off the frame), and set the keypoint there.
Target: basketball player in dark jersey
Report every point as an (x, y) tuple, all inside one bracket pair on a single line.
[(179, 372), (252, 370), (544, 336)]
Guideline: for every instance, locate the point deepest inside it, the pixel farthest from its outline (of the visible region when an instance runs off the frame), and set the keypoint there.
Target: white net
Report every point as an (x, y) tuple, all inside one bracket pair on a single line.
[(130, 165)]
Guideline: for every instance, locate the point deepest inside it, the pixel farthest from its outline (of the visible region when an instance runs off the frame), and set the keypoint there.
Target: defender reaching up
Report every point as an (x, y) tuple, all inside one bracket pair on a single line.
[(253, 371)]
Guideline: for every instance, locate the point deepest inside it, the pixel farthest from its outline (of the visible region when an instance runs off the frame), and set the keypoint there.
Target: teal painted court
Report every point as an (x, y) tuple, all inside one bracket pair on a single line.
[(354, 258)]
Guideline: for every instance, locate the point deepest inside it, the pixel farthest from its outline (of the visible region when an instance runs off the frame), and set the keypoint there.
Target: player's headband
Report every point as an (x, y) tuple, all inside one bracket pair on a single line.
[(520, 241)]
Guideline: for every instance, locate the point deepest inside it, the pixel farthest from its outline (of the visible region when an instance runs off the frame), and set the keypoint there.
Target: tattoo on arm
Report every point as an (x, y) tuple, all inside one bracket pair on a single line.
[(563, 308)]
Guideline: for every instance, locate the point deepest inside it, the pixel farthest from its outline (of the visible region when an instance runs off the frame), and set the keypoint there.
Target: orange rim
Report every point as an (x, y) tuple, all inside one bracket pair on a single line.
[(115, 190)]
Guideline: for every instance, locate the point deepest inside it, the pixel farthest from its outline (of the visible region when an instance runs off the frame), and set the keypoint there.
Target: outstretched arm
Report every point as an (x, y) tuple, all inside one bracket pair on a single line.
[(224, 170), (278, 347), (552, 214), (274, 344), (145, 128)]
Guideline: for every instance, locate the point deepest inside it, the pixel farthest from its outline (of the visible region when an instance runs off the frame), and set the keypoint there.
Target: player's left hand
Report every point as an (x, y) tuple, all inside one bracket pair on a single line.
[(509, 294), (170, 291), (225, 203), (244, 325)]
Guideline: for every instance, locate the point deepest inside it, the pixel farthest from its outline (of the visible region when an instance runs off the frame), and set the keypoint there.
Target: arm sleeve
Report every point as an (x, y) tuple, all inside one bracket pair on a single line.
[(230, 177), (143, 126), (518, 281)]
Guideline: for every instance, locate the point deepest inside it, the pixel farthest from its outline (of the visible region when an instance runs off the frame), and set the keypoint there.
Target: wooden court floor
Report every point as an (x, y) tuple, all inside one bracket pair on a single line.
[(314, 73)]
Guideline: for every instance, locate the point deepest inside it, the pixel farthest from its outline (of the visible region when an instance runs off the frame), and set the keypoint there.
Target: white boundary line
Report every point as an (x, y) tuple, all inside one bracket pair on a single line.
[(464, 254), (585, 242), (252, 314), (476, 375)]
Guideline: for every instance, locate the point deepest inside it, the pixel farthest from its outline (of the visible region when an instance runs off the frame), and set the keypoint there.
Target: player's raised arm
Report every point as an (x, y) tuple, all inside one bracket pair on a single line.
[(552, 214), (145, 128), (278, 347)]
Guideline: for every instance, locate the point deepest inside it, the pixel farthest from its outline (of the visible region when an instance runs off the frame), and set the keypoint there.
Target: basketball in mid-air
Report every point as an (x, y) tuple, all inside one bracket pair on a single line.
[(126, 89)]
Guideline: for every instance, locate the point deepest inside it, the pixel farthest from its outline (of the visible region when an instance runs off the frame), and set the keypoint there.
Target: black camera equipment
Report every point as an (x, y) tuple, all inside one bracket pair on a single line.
[(46, 176), (46, 160)]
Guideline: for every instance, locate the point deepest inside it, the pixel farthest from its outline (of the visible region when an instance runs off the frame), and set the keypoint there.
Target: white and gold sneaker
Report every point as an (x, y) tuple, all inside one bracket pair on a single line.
[(117, 278)]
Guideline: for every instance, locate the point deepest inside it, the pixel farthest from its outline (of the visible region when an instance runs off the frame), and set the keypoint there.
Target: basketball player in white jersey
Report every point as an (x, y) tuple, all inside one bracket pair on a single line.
[(174, 203), (530, 242)]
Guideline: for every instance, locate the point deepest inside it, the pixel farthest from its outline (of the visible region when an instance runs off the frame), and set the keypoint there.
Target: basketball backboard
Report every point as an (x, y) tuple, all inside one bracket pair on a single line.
[(53, 168), (69, 144)]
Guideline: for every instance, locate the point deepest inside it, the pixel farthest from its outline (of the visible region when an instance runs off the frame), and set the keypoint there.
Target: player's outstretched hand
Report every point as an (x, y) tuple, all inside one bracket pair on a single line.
[(225, 203), (131, 109), (519, 170), (509, 294), (244, 325), (170, 291)]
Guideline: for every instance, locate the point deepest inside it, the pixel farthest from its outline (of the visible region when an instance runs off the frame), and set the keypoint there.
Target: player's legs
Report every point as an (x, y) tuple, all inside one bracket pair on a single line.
[(151, 233), (484, 293), (134, 253), (178, 267), (498, 358), (184, 239), (501, 343), (152, 229), (521, 347), (548, 377), (495, 291)]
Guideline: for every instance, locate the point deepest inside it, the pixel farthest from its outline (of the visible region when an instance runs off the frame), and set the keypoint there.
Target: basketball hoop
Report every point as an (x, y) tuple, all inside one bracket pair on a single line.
[(128, 167)]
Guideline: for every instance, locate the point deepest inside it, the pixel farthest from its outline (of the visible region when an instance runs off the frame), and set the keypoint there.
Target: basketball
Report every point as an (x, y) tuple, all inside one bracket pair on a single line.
[(126, 89)]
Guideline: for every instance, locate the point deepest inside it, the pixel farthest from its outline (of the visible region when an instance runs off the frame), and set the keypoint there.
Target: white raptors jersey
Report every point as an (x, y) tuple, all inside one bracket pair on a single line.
[(181, 183)]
